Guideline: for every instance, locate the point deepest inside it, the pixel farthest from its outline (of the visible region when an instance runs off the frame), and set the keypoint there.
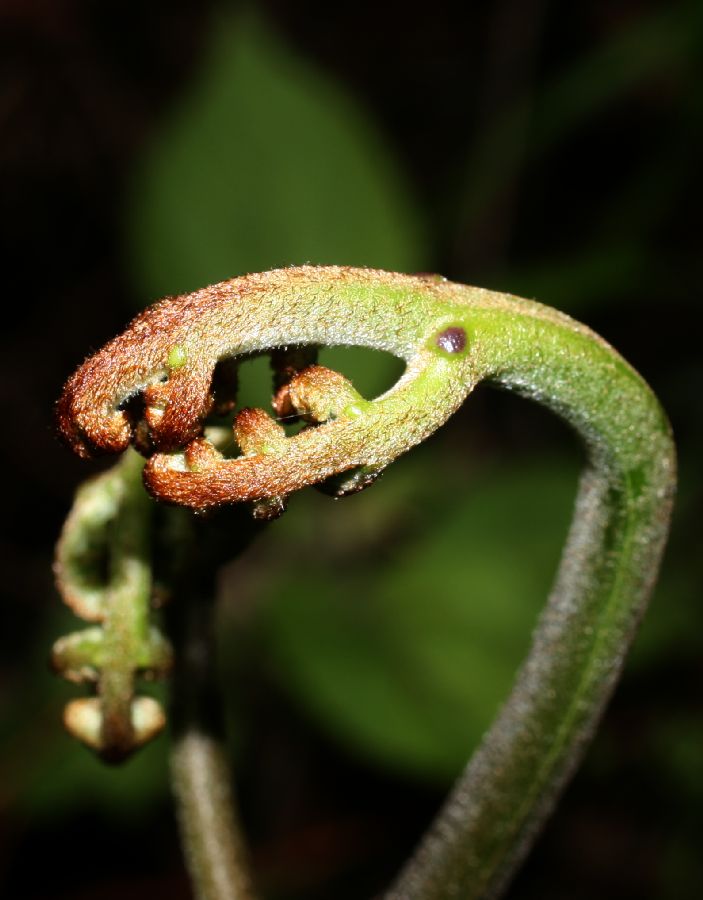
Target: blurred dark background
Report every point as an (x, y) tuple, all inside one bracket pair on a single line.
[(544, 149)]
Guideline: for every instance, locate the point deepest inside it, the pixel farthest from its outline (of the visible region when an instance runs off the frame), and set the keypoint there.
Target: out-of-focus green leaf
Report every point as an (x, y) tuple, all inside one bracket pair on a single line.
[(591, 276), (265, 162), (619, 260), (669, 39), (406, 654), (681, 870), (677, 755), (665, 40)]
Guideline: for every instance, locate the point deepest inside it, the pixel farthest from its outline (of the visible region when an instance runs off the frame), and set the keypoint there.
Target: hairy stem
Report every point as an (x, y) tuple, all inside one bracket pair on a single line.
[(214, 850), (210, 833), (452, 337), (491, 817)]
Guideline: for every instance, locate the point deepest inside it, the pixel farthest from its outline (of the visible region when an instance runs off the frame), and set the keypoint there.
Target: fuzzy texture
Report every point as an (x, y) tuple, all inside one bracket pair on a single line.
[(425, 320), (103, 572), (452, 337)]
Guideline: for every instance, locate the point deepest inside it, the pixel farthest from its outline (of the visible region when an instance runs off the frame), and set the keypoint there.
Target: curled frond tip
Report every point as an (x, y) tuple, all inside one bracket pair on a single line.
[(156, 384)]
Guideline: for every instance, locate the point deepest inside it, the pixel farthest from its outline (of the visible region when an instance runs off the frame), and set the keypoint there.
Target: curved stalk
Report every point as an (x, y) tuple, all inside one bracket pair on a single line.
[(452, 338), (619, 527)]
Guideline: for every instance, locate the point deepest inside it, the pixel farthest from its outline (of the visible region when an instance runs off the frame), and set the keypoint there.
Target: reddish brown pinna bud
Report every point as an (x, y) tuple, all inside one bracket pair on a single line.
[(77, 417), (318, 394), (257, 433), (200, 455), (282, 405)]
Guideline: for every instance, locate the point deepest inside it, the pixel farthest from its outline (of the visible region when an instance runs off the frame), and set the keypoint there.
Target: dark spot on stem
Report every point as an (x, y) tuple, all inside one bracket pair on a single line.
[(451, 340)]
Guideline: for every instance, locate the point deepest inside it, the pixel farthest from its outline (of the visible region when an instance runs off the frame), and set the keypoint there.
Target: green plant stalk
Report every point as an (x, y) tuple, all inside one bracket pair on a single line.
[(200, 777), (126, 625), (215, 850), (616, 538), (608, 567), (609, 564)]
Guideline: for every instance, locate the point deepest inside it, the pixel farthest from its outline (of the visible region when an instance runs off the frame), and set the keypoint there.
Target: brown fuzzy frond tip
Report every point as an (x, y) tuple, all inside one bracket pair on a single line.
[(154, 386)]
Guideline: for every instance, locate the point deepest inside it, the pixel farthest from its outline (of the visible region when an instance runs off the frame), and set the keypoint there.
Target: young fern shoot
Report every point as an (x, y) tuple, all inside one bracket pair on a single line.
[(155, 385)]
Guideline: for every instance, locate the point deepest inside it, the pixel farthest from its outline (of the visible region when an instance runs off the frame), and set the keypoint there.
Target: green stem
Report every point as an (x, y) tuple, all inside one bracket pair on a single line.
[(214, 850), (512, 782), (452, 337), (211, 836), (127, 621)]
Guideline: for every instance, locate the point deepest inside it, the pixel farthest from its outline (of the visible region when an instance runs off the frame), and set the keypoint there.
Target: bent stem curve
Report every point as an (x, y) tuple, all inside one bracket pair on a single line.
[(620, 523), (452, 337)]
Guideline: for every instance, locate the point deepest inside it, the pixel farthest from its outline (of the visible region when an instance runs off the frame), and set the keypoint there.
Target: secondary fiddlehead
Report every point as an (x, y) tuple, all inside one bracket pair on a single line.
[(103, 572), (156, 383)]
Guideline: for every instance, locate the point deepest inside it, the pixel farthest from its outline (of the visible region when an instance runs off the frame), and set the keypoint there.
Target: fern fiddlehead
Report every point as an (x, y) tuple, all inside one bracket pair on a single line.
[(103, 572), (156, 383)]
